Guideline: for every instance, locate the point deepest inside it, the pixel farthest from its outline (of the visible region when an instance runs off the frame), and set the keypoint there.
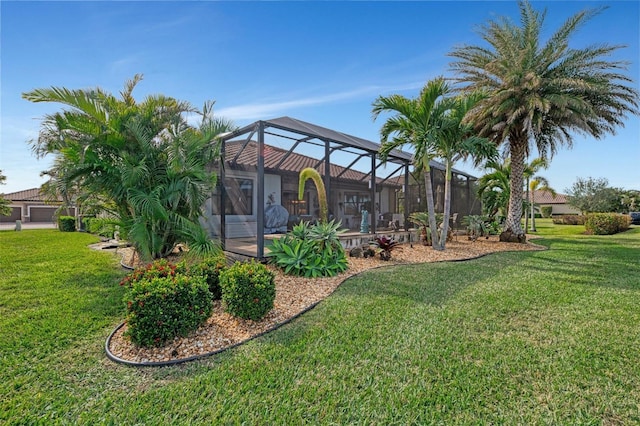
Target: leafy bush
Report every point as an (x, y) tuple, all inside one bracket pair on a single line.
[(606, 223), (546, 211), (161, 268), (163, 307), (569, 219), (67, 223), (102, 226), (310, 250), (210, 268), (248, 290), (386, 246)]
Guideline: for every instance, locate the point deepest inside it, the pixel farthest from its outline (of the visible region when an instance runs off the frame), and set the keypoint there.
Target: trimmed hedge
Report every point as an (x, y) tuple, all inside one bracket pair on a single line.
[(210, 268), (248, 290), (569, 219), (606, 223), (161, 308), (67, 223)]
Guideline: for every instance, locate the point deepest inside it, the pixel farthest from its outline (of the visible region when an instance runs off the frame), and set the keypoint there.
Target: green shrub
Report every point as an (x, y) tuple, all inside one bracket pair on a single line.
[(248, 290), (161, 268), (67, 223), (569, 219), (606, 223), (103, 227), (161, 308), (310, 251), (210, 268), (546, 211)]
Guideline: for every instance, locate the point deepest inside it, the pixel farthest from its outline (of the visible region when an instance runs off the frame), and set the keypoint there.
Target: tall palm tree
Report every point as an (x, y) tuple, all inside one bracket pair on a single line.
[(457, 142), (538, 183), (539, 92), (142, 157), (416, 122)]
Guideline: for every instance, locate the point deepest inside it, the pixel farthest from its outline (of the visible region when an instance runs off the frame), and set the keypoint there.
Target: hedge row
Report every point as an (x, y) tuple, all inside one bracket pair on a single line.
[(606, 223), (166, 300)]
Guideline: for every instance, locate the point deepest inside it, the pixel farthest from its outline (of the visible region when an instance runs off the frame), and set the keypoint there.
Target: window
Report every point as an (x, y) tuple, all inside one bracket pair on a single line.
[(355, 202), (239, 197)]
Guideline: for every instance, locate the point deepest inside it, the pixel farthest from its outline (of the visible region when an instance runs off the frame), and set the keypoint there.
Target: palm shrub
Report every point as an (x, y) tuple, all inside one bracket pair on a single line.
[(310, 250), (163, 303), (248, 290), (421, 219), (144, 159)]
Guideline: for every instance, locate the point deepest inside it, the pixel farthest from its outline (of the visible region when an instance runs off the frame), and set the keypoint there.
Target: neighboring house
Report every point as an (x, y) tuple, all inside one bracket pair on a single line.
[(262, 162), (30, 206), (558, 203)]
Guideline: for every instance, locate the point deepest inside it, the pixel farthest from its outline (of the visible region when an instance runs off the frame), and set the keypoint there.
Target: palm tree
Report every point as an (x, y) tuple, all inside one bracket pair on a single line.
[(144, 158), (417, 122), (459, 142), (531, 169), (538, 183), (540, 92), (494, 189)]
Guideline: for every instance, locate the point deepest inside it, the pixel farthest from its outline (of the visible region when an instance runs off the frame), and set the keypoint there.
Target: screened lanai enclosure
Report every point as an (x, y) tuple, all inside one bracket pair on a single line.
[(256, 198)]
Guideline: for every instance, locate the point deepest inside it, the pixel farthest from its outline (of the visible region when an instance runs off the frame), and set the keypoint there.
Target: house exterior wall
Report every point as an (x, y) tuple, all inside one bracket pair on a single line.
[(558, 209)]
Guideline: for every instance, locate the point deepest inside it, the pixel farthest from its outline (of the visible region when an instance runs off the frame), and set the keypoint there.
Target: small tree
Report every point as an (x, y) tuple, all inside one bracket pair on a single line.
[(594, 196)]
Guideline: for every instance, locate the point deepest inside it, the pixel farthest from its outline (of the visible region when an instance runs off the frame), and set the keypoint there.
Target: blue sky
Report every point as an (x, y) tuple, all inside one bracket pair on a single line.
[(322, 62)]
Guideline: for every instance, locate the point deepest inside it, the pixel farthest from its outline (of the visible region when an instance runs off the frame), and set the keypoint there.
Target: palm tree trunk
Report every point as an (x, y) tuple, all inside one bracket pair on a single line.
[(513, 229), (447, 206), (533, 213), (526, 220), (435, 242)]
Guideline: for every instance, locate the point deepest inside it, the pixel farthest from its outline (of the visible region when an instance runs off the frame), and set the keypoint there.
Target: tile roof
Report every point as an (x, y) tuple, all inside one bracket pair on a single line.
[(293, 163), (545, 197), (32, 194)]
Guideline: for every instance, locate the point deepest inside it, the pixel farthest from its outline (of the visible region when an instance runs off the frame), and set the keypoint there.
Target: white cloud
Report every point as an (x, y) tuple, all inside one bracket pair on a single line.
[(267, 109)]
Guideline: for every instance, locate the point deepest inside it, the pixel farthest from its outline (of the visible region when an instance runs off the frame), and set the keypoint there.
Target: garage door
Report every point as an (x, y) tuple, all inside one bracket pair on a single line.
[(15, 215), (42, 214)]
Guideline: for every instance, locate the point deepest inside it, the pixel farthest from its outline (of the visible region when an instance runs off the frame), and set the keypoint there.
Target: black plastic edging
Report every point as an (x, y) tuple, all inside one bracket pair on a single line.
[(119, 360)]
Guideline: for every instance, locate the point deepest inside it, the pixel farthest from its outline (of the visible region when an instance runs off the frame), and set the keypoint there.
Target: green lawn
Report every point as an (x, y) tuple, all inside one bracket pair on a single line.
[(547, 337)]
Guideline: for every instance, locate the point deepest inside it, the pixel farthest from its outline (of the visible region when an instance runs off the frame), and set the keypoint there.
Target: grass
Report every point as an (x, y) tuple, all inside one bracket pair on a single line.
[(546, 337)]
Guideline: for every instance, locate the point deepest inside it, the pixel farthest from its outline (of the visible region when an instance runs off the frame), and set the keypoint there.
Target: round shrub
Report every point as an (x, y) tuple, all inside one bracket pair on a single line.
[(248, 290), (210, 269), (67, 223), (163, 307)]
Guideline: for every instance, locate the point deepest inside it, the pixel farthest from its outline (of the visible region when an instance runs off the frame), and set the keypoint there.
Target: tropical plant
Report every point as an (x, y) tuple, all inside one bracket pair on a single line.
[(310, 250), (477, 226), (433, 125), (386, 245), (142, 158), (416, 122), (538, 183), (493, 188), (422, 220), (458, 142), (310, 173), (539, 92)]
